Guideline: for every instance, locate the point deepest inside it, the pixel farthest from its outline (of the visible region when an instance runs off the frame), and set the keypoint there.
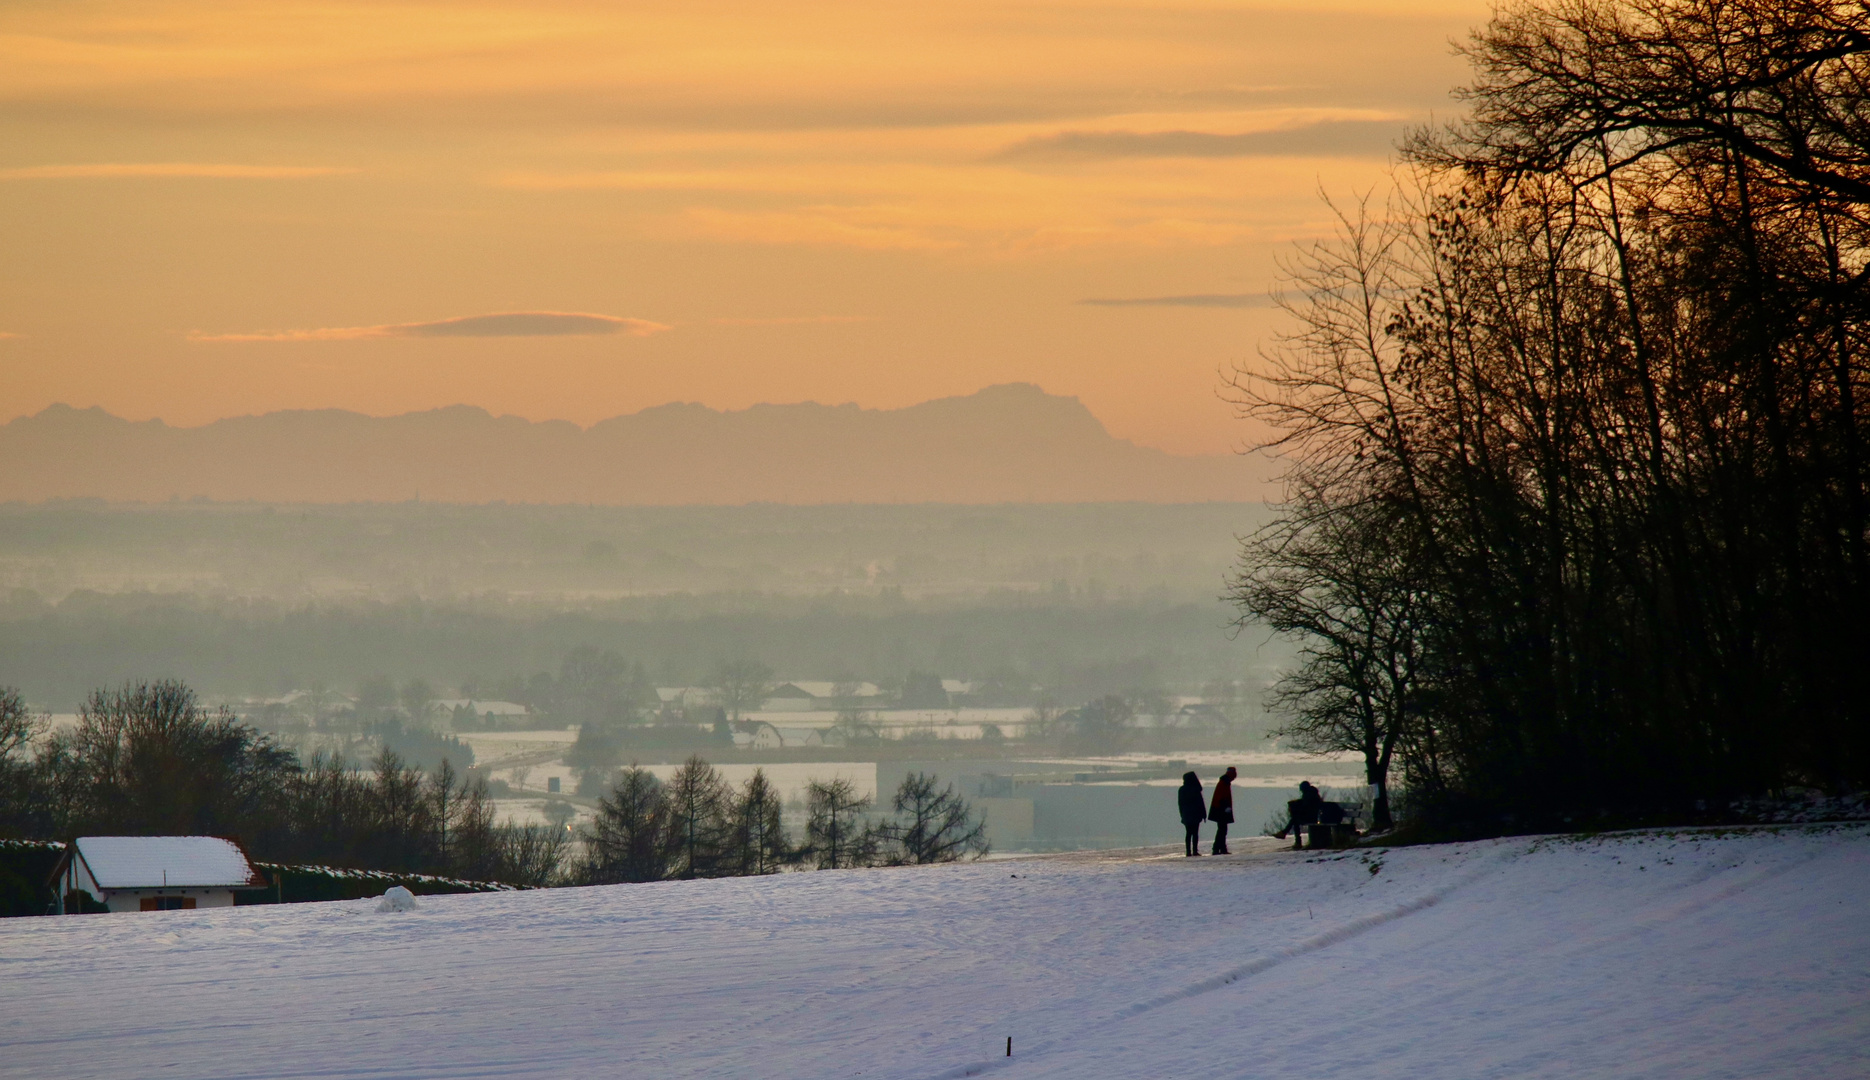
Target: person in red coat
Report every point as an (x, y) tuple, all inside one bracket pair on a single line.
[(1221, 810)]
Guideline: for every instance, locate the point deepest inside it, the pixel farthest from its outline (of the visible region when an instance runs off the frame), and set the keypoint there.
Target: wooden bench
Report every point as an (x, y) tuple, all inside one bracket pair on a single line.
[(1329, 824)]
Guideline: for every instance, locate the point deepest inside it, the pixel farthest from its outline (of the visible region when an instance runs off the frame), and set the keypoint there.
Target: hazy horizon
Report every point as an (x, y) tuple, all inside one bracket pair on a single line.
[(1009, 443), (471, 407)]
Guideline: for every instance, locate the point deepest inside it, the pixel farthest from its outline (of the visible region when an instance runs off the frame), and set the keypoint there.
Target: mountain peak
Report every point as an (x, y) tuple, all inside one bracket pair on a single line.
[(1007, 443)]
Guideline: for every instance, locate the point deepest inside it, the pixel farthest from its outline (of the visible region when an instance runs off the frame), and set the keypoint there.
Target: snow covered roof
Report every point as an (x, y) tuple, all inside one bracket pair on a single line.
[(820, 688), (497, 708), (149, 862)]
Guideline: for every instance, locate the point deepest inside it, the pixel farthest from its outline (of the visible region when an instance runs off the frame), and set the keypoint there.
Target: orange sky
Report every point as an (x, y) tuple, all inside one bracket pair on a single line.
[(221, 208)]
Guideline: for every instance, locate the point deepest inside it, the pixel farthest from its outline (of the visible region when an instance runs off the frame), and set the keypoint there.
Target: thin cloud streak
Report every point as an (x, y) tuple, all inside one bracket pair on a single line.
[(1332, 138), (170, 169), (499, 324), (1194, 300), (796, 320)]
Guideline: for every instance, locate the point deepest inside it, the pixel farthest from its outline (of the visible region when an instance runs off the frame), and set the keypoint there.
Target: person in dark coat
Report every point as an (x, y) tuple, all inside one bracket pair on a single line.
[(1194, 812), (1301, 812), (1221, 811)]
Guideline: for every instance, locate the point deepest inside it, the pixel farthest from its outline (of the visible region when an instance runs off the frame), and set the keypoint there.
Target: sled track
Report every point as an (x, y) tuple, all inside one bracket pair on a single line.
[(1325, 940)]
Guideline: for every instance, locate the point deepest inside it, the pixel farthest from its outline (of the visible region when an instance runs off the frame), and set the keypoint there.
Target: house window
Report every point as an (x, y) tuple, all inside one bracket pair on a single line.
[(168, 903)]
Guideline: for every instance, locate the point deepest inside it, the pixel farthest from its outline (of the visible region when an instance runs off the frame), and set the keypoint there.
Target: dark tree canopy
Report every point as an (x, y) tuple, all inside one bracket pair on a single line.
[(1577, 424)]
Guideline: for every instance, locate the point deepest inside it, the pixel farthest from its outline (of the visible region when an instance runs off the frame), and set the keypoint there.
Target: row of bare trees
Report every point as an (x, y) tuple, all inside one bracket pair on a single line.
[(1579, 509), (696, 825), (150, 759)]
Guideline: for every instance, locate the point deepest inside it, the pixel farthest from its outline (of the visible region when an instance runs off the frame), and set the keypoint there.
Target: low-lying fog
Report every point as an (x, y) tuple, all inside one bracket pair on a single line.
[(544, 647)]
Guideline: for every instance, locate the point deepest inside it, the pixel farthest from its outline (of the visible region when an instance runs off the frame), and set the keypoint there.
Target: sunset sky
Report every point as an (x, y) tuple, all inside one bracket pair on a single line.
[(565, 210)]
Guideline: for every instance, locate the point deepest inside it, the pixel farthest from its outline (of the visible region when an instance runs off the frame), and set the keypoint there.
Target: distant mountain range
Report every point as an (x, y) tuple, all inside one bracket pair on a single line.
[(1011, 443)]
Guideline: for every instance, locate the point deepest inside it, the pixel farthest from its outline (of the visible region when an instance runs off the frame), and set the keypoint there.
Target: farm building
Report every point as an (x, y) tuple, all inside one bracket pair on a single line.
[(155, 873), (758, 735)]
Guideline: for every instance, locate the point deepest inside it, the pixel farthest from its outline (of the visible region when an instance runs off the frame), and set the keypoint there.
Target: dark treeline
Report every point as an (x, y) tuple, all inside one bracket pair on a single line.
[(1577, 522), (149, 759), (695, 825)]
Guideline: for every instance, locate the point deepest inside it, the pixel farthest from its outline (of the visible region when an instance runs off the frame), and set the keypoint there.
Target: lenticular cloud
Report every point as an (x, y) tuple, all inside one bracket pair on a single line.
[(498, 324)]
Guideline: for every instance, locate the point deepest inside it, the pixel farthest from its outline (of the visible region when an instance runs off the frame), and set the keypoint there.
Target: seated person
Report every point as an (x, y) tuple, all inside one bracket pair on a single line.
[(1303, 810)]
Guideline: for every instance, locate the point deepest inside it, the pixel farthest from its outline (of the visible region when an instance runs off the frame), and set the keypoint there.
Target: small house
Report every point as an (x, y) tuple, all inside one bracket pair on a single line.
[(790, 697), (812, 695), (757, 735), (155, 873)]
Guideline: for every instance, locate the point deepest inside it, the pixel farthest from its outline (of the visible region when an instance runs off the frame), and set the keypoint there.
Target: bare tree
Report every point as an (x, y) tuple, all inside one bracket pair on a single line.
[(19, 725), (418, 702), (1339, 580), (25, 808), (531, 855), (836, 832), (1579, 513), (149, 758), (1041, 721), (1104, 726), (932, 825), (855, 727), (740, 686)]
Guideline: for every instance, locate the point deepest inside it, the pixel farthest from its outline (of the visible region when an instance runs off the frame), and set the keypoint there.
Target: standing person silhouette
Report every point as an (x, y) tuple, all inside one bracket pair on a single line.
[(1194, 812), (1221, 811)]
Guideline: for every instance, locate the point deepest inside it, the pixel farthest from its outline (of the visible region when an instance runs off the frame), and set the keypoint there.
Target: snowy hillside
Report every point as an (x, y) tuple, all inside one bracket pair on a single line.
[(1665, 955)]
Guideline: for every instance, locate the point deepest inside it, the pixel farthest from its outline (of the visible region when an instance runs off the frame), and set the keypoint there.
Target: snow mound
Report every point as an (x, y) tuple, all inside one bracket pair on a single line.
[(397, 898)]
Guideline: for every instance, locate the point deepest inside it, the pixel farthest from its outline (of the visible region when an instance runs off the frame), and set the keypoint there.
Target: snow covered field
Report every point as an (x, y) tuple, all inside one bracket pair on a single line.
[(1660, 955)]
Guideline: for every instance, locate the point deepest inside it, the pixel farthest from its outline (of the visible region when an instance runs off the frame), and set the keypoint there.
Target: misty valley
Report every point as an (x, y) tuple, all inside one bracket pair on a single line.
[(1060, 666)]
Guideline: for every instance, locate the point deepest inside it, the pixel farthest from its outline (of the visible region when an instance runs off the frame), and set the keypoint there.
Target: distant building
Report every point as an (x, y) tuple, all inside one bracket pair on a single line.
[(468, 714), (800, 736), (1201, 715), (790, 697), (826, 696), (674, 704), (957, 687), (758, 735), (155, 873)]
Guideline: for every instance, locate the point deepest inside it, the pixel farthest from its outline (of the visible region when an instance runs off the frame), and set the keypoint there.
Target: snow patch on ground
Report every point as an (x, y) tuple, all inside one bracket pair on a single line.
[(1738, 954)]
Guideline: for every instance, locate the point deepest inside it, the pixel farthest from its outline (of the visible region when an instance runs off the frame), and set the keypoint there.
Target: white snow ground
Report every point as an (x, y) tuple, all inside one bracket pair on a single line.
[(1656, 955)]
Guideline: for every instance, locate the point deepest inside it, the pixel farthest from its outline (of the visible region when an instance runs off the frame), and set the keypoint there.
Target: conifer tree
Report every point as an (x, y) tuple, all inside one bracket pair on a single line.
[(629, 839), (836, 831), (698, 804), (759, 844)]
